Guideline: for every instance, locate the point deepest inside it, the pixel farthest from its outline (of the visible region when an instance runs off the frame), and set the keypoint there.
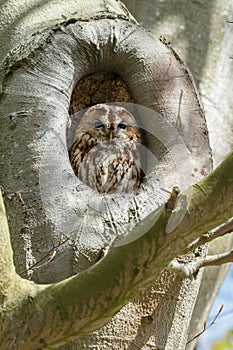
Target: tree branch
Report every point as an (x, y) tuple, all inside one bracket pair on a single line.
[(189, 269), (83, 303), (218, 259), (220, 231)]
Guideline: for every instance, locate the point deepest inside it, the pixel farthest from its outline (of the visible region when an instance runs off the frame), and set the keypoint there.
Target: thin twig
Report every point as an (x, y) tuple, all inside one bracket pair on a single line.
[(206, 327), (221, 230), (51, 254), (21, 199)]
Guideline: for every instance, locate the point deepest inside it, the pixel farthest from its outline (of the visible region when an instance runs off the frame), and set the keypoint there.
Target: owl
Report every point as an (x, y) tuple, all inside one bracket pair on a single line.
[(105, 154)]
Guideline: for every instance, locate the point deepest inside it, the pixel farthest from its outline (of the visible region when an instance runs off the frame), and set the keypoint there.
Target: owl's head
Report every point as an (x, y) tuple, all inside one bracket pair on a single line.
[(109, 122)]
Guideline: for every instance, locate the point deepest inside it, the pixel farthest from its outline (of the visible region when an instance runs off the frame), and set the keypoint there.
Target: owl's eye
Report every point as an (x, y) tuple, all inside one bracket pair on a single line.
[(98, 125), (122, 126)]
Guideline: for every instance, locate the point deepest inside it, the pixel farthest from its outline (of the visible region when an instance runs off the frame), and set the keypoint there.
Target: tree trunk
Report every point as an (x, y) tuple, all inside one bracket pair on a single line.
[(202, 35), (45, 200)]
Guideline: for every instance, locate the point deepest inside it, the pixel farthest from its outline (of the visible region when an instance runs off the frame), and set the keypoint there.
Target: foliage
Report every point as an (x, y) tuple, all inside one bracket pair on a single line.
[(226, 343)]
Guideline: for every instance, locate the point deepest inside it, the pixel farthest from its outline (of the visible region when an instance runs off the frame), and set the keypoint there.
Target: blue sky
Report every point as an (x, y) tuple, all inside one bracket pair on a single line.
[(225, 319)]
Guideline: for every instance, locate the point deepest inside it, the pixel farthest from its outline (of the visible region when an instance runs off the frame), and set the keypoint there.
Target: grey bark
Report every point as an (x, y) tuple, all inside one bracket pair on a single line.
[(201, 34), (28, 116), (33, 315)]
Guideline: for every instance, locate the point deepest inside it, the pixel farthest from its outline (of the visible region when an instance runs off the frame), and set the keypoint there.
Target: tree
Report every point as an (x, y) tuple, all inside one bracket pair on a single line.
[(38, 78)]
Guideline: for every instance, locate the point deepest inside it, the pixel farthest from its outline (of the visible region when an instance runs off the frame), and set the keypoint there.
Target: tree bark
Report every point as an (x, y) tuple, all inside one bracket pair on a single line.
[(41, 194), (202, 35), (35, 315)]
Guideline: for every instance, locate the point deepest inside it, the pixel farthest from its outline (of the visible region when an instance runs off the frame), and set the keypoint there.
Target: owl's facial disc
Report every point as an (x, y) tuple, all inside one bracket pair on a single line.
[(105, 127), (111, 129), (109, 122), (105, 130)]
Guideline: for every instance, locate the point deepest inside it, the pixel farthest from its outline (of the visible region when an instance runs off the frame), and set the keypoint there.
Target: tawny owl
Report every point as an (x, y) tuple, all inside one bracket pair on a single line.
[(105, 154)]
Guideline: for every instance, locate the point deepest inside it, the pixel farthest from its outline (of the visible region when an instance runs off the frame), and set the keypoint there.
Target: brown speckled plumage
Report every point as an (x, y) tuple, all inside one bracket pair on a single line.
[(105, 154)]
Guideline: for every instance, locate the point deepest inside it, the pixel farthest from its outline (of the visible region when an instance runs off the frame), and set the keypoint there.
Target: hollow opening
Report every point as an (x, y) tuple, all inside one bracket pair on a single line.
[(97, 88), (109, 88), (102, 87)]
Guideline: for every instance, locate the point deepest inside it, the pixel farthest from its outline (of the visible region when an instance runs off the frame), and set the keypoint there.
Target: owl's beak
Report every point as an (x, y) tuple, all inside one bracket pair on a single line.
[(111, 129)]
